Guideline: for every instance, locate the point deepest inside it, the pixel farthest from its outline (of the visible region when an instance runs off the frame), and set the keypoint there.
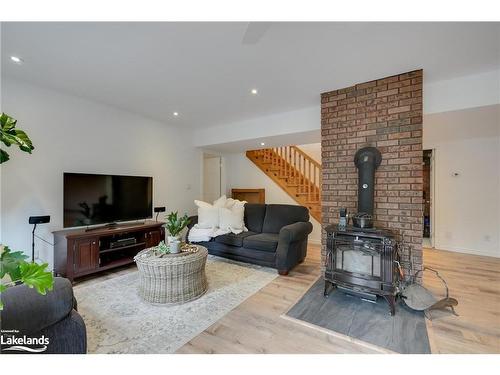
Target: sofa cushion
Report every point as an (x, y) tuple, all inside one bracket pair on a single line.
[(233, 239), (262, 241), (279, 215), (264, 258), (254, 216)]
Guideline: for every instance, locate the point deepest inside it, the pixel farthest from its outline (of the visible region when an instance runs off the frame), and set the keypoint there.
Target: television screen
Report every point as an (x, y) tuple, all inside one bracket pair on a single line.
[(97, 199)]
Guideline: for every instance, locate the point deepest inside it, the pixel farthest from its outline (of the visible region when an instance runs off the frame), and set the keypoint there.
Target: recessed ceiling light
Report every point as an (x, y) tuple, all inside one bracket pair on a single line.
[(176, 113), (262, 144), (16, 59), (254, 91)]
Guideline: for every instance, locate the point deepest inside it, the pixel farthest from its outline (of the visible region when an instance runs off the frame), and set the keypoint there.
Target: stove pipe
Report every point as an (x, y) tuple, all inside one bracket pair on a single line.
[(367, 160)]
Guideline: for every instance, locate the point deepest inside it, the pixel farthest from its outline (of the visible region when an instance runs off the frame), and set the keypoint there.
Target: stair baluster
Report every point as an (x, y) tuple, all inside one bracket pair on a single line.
[(295, 172)]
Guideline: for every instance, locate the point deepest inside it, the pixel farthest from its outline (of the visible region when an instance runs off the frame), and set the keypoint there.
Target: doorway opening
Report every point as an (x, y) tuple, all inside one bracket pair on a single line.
[(212, 177), (428, 198)]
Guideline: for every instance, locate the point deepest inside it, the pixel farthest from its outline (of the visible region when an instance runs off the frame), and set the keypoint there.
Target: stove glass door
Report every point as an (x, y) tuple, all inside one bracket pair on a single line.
[(361, 258)]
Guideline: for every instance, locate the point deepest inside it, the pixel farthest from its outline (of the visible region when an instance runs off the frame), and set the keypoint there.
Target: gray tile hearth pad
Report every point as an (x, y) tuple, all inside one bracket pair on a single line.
[(405, 332)]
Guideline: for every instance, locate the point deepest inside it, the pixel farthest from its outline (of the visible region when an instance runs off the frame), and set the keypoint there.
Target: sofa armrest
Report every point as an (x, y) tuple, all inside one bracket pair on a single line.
[(192, 221), (295, 232), (68, 336), (27, 311), (292, 246)]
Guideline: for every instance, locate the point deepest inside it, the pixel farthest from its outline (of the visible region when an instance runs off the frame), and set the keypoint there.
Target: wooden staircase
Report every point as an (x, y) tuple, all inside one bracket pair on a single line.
[(295, 172)]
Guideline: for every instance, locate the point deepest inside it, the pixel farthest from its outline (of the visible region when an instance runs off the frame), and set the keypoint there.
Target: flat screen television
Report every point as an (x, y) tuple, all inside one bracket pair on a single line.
[(91, 199)]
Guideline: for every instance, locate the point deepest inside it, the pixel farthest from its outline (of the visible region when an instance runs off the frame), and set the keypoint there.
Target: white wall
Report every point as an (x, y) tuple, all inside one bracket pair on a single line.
[(76, 135), (471, 91), (313, 150), (467, 207), (242, 173), (304, 120)]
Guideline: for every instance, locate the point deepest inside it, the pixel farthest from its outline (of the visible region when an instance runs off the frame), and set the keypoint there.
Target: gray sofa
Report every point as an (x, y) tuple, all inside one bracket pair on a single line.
[(277, 237), (52, 315)]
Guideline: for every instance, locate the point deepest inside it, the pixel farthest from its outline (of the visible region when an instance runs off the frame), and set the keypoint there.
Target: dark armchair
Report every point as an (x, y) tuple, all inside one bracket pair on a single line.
[(54, 316)]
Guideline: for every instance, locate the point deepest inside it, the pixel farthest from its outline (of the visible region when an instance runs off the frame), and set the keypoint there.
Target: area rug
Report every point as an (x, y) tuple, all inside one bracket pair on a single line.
[(119, 321), (369, 322)]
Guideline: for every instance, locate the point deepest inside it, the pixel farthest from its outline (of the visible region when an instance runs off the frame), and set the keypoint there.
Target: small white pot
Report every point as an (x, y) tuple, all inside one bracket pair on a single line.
[(172, 239), (175, 246)]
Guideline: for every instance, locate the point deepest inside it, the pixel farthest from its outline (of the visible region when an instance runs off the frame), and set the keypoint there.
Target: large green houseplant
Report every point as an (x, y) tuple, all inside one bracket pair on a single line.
[(14, 269)]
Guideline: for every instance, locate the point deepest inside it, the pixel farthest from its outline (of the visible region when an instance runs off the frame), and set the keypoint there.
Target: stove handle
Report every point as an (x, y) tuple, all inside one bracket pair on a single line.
[(329, 263)]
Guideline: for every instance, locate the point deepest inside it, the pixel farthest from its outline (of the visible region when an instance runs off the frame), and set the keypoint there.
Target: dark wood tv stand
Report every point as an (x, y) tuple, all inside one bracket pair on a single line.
[(78, 252)]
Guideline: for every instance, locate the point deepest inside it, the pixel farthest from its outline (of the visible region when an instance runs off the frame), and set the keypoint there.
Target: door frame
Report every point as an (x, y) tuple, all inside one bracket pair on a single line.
[(433, 194)]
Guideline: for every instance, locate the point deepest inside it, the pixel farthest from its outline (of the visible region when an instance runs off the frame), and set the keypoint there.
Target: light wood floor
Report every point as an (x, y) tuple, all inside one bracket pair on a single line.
[(475, 282), (257, 325)]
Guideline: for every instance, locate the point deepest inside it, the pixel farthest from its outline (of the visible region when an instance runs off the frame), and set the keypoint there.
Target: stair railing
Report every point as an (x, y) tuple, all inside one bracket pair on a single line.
[(298, 168)]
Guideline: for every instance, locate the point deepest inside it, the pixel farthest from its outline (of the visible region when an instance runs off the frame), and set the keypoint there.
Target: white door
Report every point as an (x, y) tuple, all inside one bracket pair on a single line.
[(211, 178)]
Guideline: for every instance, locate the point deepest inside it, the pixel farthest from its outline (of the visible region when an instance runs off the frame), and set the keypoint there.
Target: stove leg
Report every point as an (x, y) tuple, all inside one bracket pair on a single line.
[(327, 287), (391, 300)]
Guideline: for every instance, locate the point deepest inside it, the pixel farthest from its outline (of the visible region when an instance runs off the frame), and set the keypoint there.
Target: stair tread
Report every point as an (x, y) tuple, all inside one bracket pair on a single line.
[(290, 179)]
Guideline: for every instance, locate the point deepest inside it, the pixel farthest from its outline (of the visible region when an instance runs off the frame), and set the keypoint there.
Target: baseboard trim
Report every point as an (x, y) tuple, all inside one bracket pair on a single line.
[(467, 251)]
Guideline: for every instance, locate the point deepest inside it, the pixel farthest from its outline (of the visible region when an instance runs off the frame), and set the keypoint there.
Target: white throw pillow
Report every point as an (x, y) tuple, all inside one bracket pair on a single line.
[(233, 219), (202, 204), (208, 215), (221, 202), (230, 203), (226, 214)]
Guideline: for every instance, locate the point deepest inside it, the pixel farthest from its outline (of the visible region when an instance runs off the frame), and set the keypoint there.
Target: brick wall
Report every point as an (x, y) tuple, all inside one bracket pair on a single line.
[(387, 114)]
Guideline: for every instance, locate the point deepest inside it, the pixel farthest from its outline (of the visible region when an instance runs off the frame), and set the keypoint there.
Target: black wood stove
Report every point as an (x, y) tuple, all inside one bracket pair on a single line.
[(360, 259)]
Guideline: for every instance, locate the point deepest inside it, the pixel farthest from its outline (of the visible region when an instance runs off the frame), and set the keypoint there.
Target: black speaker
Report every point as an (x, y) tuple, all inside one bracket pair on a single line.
[(158, 210), (36, 220), (39, 219)]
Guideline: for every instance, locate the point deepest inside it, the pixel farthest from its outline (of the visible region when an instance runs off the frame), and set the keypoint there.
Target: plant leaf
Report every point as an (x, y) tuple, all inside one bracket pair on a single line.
[(2, 289), (6, 138), (9, 263), (175, 224), (35, 276), (9, 135), (4, 156), (7, 122), (24, 141)]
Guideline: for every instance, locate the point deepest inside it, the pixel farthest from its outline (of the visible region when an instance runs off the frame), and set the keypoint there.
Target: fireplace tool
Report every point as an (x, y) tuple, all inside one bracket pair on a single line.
[(419, 298)]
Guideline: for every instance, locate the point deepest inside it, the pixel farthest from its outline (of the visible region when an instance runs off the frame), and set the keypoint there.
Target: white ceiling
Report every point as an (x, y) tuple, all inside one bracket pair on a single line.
[(205, 71)]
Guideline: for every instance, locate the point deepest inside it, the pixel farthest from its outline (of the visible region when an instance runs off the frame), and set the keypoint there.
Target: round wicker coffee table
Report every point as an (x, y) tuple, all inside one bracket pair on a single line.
[(172, 278)]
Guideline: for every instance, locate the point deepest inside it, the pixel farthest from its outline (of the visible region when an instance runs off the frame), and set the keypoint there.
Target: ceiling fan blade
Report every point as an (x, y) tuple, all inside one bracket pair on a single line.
[(255, 31)]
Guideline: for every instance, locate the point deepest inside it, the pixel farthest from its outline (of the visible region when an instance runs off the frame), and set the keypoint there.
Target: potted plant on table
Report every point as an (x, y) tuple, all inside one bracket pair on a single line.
[(14, 269), (175, 225)]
